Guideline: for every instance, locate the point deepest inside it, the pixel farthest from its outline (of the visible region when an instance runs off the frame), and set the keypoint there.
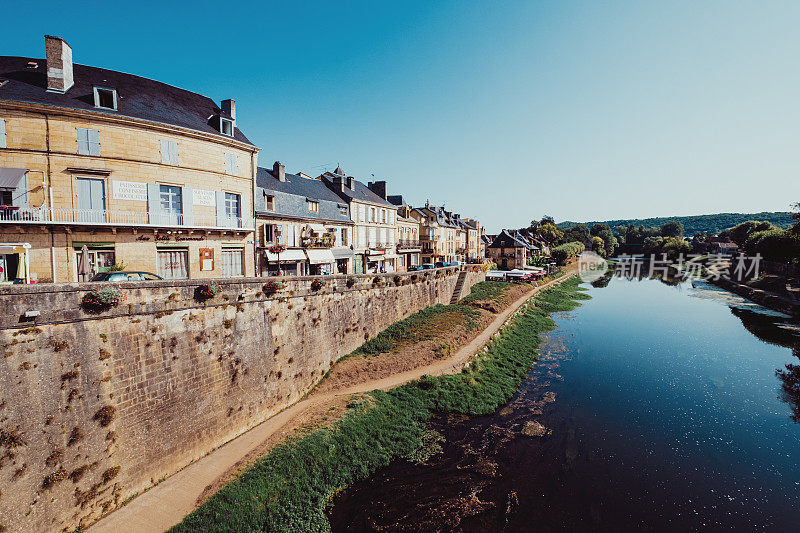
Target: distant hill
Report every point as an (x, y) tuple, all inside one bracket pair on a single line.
[(699, 223)]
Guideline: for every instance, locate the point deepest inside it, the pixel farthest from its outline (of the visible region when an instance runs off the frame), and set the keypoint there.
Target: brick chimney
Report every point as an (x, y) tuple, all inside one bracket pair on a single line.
[(378, 187), (229, 108), (59, 64), (278, 170)]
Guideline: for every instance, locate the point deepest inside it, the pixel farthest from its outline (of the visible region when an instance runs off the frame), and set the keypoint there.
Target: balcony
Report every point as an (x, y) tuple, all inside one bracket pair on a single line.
[(408, 244), (104, 217), (324, 241)]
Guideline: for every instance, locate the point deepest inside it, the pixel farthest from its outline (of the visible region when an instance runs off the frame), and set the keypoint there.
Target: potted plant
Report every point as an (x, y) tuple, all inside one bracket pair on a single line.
[(206, 292), (351, 281), (102, 299), (277, 249), (271, 287), (317, 284)]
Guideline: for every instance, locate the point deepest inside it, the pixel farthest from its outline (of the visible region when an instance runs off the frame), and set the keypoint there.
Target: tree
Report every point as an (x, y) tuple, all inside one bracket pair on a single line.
[(740, 233), (551, 233), (579, 233), (604, 232), (599, 246), (673, 228)]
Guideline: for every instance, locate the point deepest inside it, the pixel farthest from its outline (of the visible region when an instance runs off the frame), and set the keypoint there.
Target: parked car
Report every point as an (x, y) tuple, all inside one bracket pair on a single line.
[(441, 264), (414, 268), (426, 266), (125, 276)]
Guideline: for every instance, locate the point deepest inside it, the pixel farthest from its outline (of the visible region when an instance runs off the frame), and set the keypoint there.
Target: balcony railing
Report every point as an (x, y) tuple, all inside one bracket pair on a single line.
[(105, 217), (326, 240), (406, 244)]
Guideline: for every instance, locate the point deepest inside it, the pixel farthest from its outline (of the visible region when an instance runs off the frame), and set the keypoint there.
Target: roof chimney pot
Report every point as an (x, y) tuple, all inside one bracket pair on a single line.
[(229, 108), (59, 64), (278, 169)]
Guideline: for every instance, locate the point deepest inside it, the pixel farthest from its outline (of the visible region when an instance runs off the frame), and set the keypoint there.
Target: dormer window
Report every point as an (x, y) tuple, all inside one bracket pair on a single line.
[(226, 126), (105, 98)]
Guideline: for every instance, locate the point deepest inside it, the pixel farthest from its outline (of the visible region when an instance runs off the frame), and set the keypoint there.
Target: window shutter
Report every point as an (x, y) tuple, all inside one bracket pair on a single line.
[(83, 141), (221, 221), (174, 152), (19, 196), (154, 202), (188, 205), (3, 142), (94, 142), (165, 151)]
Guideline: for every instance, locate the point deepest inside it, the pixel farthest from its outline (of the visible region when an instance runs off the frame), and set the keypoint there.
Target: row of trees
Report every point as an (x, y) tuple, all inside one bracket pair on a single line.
[(599, 238), (768, 240)]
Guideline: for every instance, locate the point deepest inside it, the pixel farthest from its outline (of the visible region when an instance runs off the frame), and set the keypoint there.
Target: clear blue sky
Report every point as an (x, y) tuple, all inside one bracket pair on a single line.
[(501, 110)]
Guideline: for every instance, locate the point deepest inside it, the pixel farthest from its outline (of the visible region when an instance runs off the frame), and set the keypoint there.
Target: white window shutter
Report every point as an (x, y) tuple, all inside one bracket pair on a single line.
[(174, 152), (3, 142), (164, 151), (94, 142), (83, 141)]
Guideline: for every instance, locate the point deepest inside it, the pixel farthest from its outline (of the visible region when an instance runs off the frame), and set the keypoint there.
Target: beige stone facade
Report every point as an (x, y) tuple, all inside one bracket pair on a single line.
[(46, 143)]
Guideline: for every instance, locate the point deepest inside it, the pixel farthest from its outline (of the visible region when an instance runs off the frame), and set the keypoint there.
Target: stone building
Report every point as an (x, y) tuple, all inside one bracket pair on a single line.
[(510, 250), (438, 233), (475, 250), (408, 243), (306, 217), (374, 218), (143, 174)]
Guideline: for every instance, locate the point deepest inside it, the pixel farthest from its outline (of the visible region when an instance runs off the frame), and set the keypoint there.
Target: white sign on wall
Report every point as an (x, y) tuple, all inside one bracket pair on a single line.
[(204, 197), (129, 190)]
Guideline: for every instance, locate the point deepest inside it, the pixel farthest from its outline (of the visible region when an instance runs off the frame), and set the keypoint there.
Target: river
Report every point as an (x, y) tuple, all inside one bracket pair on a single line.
[(661, 411)]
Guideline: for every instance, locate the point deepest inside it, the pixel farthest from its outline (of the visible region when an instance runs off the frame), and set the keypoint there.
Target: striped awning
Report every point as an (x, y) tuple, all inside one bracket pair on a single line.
[(10, 177), (286, 255)]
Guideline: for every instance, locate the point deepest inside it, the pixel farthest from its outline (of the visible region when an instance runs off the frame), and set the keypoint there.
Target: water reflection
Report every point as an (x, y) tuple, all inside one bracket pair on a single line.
[(649, 409)]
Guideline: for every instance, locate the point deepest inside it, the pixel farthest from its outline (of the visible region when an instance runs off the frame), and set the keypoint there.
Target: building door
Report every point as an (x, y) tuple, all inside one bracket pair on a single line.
[(173, 264), (91, 200)]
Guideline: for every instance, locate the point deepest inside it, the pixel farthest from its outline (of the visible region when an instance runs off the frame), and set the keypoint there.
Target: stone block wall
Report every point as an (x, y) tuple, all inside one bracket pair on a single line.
[(97, 407)]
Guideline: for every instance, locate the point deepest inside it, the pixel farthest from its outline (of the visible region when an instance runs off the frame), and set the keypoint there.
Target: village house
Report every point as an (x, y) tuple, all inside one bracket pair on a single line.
[(408, 243), (306, 218), (134, 172), (509, 250), (374, 218), (475, 250), (438, 233)]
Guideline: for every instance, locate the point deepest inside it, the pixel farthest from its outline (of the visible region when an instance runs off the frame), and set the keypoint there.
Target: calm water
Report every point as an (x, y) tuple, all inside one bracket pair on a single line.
[(665, 413)]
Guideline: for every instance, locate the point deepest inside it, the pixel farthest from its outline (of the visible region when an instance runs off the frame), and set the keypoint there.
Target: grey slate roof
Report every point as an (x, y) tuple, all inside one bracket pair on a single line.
[(137, 97), (359, 192), (438, 214), (510, 239), (291, 198)]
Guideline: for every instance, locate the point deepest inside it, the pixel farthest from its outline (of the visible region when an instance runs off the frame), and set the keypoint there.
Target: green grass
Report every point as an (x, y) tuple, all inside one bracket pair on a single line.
[(289, 488), (419, 326), (487, 290)]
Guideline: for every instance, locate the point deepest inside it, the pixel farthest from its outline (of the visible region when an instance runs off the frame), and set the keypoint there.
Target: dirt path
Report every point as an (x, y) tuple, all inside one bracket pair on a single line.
[(169, 502)]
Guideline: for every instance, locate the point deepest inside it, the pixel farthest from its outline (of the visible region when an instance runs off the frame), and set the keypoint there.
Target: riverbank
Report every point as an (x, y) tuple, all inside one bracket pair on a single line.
[(171, 500), (768, 299), (289, 488)]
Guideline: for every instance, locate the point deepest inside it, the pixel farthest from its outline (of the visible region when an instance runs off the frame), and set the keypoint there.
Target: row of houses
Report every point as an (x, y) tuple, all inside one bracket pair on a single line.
[(121, 171), (512, 249)]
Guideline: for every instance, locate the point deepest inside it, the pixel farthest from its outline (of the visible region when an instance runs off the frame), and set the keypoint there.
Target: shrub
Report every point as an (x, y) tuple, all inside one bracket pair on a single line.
[(271, 287), (350, 282), (102, 299), (206, 292), (561, 254), (397, 280), (317, 284)]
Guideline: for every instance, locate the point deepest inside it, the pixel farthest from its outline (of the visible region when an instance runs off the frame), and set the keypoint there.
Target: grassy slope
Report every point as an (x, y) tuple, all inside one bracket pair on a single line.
[(288, 489)]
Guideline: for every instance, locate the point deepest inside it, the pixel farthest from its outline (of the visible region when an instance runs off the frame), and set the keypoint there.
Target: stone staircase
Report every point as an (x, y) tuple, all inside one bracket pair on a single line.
[(462, 277)]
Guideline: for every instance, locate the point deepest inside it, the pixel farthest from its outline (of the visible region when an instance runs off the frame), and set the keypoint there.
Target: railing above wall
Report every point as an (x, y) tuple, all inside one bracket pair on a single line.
[(106, 217)]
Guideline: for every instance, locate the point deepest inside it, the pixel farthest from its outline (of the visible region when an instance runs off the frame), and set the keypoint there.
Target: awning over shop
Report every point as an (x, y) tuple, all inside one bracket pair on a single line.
[(316, 228), (13, 248), (10, 177), (287, 255), (317, 257), (343, 253)]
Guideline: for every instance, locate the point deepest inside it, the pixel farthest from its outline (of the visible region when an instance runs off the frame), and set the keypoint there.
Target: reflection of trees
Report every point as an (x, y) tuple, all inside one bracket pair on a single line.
[(790, 386), (768, 329)]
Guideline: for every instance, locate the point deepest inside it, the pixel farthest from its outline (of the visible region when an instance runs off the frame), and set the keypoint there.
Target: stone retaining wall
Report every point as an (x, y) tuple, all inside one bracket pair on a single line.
[(96, 407)]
